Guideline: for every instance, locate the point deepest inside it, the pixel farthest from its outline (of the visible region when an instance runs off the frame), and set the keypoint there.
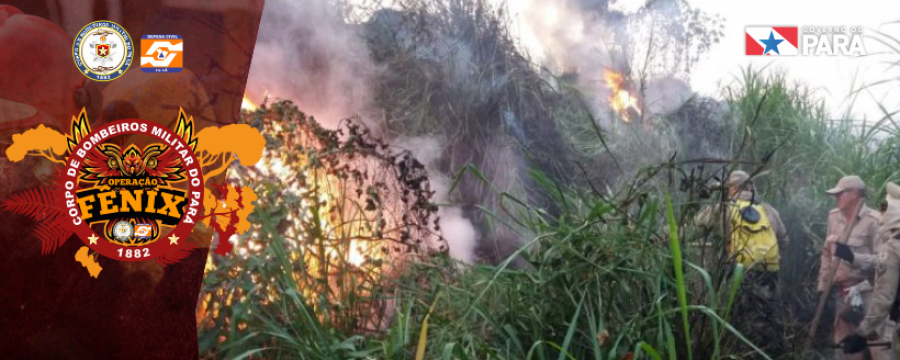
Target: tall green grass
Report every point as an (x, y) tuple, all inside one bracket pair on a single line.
[(607, 276), (602, 284), (805, 152)]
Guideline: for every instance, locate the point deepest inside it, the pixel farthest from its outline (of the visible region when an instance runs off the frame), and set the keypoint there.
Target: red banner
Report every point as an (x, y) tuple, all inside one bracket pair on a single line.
[(115, 59)]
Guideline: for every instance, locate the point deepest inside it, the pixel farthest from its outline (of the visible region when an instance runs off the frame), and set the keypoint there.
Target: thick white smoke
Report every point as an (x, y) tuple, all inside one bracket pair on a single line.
[(561, 37), (459, 232), (305, 52), (586, 37)]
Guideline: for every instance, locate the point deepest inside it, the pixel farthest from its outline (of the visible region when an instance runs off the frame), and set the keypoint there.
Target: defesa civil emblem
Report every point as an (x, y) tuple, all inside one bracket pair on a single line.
[(103, 51)]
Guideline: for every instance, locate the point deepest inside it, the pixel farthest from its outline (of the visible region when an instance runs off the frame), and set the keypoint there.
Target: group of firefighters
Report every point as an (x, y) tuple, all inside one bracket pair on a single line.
[(860, 259)]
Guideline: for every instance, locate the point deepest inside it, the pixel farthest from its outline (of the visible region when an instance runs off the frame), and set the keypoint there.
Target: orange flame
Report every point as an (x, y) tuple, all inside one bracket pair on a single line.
[(248, 104), (347, 251), (354, 252), (620, 99)]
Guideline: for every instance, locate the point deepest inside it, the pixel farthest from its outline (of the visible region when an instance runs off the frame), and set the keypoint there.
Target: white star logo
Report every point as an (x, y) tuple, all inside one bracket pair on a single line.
[(93, 239), (173, 240)]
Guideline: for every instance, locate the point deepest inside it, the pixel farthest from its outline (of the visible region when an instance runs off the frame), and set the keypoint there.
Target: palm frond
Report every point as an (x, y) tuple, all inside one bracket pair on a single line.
[(40, 205)]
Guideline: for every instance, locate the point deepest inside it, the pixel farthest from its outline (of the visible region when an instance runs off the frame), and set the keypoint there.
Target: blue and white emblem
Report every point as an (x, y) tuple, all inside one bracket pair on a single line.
[(103, 50)]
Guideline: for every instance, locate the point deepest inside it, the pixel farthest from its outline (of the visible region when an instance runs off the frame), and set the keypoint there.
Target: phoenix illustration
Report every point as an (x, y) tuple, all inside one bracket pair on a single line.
[(109, 161), (159, 161)]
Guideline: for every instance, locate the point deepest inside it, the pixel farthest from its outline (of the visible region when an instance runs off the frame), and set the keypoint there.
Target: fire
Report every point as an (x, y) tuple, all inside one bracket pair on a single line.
[(620, 99), (345, 247), (248, 104), (336, 224), (326, 206)]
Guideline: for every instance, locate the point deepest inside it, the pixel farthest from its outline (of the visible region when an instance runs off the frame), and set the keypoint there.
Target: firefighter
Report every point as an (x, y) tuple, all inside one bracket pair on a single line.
[(755, 231), (855, 260), (754, 236), (881, 316)]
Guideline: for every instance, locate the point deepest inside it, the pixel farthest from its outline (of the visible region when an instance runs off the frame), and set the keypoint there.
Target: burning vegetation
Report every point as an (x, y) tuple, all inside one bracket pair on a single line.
[(585, 245), (346, 215), (248, 105), (621, 100)]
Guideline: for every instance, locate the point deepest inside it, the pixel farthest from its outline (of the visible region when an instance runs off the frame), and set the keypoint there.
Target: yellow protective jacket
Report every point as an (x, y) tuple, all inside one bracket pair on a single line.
[(753, 241)]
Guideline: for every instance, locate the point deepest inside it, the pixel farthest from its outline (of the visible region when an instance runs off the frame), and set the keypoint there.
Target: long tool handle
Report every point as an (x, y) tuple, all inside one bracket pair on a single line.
[(871, 344), (830, 279)]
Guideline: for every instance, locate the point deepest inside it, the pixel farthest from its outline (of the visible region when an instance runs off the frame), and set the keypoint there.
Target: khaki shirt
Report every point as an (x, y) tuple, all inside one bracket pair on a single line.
[(863, 241), (711, 216), (886, 282)]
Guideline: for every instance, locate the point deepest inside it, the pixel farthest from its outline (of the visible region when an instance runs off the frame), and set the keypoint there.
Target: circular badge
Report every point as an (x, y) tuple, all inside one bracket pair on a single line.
[(138, 195), (123, 231), (103, 51)]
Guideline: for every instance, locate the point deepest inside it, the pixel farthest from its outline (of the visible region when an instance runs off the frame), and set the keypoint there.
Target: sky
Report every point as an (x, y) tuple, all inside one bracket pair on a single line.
[(832, 77)]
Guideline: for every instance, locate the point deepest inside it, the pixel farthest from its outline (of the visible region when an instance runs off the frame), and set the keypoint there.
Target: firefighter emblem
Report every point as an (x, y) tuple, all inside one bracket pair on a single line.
[(124, 231), (146, 197), (103, 50)]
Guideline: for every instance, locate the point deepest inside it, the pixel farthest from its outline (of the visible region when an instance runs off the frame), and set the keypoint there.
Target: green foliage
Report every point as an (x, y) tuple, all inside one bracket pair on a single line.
[(805, 152)]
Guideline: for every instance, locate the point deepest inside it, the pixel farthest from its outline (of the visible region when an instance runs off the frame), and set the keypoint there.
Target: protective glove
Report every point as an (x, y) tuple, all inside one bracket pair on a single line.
[(853, 315), (843, 251), (853, 344)]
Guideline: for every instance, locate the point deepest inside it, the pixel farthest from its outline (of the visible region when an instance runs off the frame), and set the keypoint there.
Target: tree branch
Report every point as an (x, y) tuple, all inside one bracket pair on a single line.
[(47, 154), (218, 171), (220, 214)]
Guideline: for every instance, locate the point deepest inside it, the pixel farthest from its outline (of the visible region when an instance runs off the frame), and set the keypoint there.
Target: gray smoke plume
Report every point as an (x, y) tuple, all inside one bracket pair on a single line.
[(459, 231), (652, 47), (586, 38), (305, 52)]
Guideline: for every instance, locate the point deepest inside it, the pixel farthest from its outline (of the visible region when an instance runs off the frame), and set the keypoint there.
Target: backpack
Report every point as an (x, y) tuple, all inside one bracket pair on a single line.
[(753, 241)]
